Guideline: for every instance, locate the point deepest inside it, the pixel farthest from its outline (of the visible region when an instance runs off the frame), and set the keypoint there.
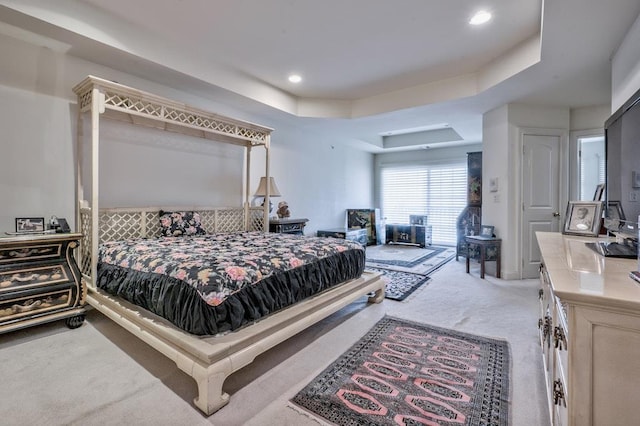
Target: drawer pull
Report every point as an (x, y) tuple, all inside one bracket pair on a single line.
[(559, 339), (558, 393), (25, 278), (27, 306), (546, 330)]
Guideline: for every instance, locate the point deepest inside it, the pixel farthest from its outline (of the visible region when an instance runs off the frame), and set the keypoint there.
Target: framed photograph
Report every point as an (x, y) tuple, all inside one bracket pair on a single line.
[(614, 211), (29, 224), (583, 218), (417, 219), (613, 215), (486, 231), (597, 196)]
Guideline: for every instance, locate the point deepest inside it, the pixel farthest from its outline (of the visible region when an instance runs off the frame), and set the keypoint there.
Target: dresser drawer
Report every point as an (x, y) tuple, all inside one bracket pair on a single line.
[(28, 306), (291, 227), (40, 281), (288, 226), (29, 253), (25, 278)]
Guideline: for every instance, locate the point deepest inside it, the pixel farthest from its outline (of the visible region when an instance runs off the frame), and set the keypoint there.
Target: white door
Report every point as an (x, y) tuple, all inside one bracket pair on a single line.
[(540, 194)]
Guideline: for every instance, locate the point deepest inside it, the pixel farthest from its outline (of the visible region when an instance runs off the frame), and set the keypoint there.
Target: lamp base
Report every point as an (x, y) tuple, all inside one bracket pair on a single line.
[(270, 205)]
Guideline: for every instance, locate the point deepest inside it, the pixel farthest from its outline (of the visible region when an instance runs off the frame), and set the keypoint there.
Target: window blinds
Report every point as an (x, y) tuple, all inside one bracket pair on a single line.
[(437, 190)]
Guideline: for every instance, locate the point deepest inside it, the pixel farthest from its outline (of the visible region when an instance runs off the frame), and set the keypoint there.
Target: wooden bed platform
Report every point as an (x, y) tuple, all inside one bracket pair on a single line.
[(209, 360)]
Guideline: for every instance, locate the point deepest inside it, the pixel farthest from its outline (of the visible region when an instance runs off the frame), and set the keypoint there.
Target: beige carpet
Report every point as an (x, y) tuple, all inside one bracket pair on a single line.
[(99, 374)]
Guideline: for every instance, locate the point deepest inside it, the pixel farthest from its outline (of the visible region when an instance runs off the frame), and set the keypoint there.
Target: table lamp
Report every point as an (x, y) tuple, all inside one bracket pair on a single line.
[(262, 190)]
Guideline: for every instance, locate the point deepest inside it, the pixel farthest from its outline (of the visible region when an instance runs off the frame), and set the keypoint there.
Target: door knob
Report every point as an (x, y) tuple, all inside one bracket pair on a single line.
[(556, 214)]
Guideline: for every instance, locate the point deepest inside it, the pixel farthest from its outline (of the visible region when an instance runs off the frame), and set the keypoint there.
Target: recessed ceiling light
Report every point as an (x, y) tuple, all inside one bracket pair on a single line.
[(480, 18), (295, 78)]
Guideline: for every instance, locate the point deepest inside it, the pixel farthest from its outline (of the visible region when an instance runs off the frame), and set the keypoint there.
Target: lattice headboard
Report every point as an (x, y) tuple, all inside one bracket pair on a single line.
[(126, 223)]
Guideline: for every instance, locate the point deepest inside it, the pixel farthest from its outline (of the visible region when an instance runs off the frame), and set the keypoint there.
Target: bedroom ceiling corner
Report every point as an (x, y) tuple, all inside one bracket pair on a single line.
[(425, 66)]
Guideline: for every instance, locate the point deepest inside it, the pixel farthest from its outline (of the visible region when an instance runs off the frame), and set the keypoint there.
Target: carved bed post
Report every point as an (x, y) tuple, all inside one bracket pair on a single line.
[(247, 188), (267, 199), (97, 106)]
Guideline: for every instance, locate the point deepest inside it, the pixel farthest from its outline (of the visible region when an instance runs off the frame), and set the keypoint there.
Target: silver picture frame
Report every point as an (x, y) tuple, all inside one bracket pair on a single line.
[(583, 218)]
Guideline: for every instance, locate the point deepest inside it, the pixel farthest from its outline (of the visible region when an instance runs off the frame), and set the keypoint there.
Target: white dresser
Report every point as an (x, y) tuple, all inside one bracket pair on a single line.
[(590, 333)]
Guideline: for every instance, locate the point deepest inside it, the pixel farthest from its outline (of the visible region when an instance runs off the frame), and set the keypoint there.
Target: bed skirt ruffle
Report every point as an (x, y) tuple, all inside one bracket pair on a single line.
[(181, 304)]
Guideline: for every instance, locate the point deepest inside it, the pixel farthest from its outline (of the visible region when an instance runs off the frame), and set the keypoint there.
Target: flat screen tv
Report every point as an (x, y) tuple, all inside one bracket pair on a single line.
[(622, 193)]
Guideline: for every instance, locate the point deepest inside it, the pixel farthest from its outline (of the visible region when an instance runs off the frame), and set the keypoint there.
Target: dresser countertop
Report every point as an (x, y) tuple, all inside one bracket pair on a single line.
[(580, 275)]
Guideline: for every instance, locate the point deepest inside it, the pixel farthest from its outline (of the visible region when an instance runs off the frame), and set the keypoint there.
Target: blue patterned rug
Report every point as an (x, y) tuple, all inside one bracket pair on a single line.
[(412, 259), (400, 284), (403, 372)]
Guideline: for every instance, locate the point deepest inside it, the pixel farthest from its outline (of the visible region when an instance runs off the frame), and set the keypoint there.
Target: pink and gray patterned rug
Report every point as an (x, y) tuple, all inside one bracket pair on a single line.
[(402, 373)]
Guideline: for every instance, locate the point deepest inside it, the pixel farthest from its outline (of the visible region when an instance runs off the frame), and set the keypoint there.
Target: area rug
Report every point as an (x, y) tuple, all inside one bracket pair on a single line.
[(402, 372), (400, 284), (412, 259)]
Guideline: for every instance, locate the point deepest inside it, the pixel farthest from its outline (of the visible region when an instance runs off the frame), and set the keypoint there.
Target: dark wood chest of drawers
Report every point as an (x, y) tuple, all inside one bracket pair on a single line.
[(409, 234), (288, 226), (40, 281), (358, 235)]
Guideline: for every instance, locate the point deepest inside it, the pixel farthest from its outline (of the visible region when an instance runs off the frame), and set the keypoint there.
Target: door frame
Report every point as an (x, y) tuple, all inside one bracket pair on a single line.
[(574, 161), (563, 181)]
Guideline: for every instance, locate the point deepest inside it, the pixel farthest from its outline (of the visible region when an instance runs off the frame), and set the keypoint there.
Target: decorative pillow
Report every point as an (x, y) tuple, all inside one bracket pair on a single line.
[(175, 224)]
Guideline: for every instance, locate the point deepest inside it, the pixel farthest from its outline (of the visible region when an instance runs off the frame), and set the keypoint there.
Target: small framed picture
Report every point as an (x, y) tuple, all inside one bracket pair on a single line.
[(30, 224), (613, 215), (486, 231), (597, 196), (417, 219), (614, 210), (583, 218)]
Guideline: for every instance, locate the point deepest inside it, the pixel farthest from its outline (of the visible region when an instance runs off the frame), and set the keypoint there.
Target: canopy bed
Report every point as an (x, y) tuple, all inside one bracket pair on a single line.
[(257, 302)]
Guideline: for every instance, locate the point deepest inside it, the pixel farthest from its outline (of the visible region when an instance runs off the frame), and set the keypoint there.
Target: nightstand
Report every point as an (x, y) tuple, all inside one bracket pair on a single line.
[(287, 226), (489, 250), (40, 281)]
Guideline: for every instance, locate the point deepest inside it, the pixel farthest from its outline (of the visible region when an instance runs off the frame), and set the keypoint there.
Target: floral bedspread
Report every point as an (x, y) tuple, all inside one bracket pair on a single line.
[(220, 265)]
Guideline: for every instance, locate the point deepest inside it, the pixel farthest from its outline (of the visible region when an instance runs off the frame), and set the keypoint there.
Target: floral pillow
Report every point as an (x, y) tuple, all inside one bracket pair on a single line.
[(175, 224)]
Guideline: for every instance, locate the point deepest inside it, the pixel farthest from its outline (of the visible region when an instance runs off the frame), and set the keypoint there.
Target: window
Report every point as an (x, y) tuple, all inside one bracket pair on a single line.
[(437, 190)]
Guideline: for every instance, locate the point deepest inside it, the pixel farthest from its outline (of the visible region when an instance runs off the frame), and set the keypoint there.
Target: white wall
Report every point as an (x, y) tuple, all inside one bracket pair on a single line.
[(589, 118), (36, 160), (501, 158), (625, 67), (318, 174), (497, 163)]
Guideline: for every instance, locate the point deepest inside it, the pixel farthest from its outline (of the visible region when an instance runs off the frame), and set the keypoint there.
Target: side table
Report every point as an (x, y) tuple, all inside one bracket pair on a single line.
[(40, 281), (493, 245), (288, 226)]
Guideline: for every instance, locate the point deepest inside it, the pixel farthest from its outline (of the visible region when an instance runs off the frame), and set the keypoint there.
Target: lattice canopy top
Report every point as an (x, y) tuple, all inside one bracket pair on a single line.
[(142, 108)]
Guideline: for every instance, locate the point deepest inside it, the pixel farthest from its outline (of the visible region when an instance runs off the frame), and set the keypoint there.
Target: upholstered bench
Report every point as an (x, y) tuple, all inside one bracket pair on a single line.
[(408, 234)]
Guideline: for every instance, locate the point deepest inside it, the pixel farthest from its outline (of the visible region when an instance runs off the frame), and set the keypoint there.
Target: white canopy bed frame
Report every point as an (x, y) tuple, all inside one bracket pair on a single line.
[(210, 359)]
